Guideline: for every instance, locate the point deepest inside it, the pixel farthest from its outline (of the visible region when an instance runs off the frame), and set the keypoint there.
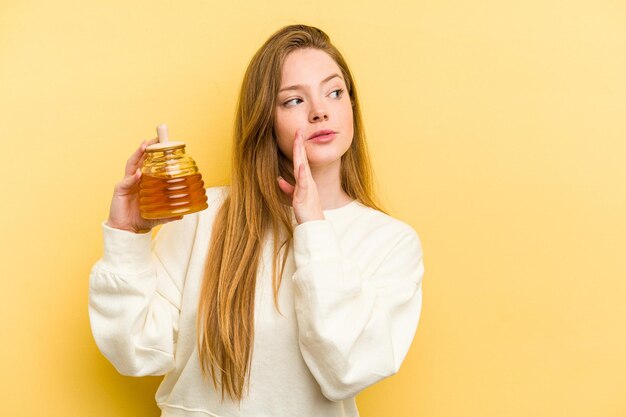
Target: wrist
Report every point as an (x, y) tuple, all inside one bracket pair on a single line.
[(310, 218)]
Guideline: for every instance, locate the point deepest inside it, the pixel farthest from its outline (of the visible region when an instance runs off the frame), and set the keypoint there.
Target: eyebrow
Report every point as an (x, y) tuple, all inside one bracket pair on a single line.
[(299, 86)]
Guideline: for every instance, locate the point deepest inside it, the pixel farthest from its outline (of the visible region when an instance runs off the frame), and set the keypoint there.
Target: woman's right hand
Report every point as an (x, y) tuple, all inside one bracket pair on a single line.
[(124, 213)]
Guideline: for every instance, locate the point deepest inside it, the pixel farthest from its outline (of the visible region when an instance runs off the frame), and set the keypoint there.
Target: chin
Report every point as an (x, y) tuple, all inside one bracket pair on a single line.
[(323, 160), (325, 154)]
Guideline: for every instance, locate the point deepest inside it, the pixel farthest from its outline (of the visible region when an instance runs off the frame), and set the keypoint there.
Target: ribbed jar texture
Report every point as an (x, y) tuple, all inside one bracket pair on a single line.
[(170, 185)]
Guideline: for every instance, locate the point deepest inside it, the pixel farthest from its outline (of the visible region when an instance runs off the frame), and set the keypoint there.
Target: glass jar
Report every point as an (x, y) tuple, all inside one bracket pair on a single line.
[(170, 183)]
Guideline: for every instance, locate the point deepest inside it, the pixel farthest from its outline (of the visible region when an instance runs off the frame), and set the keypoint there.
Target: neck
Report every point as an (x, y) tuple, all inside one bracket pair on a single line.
[(328, 181)]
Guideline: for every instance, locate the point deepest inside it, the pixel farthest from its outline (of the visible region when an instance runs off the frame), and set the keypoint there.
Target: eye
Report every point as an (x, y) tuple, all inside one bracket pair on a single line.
[(337, 93), (292, 102)]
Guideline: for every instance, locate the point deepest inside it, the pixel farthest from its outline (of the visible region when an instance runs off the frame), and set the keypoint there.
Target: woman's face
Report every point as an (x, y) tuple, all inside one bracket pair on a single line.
[(313, 98)]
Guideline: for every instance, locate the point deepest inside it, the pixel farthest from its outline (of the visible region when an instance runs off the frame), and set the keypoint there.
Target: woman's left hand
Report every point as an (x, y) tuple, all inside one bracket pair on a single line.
[(304, 197)]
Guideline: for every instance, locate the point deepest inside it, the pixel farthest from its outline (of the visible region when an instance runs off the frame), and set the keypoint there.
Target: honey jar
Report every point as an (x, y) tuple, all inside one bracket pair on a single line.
[(171, 184)]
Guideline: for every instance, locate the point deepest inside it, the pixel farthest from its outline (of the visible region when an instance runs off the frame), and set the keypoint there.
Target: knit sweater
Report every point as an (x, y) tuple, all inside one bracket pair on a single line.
[(350, 300)]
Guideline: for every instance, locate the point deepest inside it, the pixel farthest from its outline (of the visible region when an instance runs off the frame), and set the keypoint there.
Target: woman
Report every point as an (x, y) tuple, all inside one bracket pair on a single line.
[(292, 292)]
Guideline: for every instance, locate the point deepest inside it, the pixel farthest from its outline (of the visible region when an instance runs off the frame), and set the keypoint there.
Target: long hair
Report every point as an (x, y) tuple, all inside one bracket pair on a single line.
[(254, 210)]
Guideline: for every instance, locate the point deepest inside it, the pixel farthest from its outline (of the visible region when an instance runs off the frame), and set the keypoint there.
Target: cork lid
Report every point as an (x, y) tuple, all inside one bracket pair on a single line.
[(164, 142)]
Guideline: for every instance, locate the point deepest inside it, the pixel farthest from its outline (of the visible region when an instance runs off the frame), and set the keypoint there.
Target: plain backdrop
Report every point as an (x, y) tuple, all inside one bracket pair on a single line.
[(497, 130)]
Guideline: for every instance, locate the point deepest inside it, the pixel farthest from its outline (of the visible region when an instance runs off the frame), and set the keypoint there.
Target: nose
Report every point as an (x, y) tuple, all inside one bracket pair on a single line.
[(318, 113)]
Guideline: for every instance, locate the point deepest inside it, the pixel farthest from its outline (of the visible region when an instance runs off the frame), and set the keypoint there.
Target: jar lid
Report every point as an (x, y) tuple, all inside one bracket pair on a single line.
[(165, 146), (164, 143)]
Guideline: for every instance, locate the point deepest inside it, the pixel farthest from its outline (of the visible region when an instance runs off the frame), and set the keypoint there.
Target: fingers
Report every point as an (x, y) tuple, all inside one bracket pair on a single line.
[(301, 169), (299, 154), (125, 186), (299, 195), (136, 159), (305, 158), (297, 192), (297, 151), (285, 187), (304, 196), (164, 221), (133, 162), (303, 177)]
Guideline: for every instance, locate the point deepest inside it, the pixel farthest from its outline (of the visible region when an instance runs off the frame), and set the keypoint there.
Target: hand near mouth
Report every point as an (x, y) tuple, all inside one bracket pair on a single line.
[(304, 197)]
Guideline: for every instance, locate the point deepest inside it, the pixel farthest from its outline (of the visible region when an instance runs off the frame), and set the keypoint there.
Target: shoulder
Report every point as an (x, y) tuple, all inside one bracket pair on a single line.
[(370, 231), (394, 247), (217, 195), (215, 198), (375, 221)]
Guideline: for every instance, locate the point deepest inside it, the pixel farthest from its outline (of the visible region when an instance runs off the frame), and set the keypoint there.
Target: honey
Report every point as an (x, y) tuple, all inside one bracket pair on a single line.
[(167, 197), (170, 184)]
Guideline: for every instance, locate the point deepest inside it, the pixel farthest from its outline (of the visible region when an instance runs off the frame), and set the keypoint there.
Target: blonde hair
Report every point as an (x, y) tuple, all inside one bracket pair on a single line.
[(255, 208)]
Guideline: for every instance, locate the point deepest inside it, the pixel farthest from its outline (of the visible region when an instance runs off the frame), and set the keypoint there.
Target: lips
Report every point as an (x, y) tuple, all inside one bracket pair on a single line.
[(321, 133)]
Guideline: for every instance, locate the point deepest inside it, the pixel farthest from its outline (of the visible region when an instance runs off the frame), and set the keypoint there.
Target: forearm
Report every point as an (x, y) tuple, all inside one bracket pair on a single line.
[(355, 325), (132, 321)]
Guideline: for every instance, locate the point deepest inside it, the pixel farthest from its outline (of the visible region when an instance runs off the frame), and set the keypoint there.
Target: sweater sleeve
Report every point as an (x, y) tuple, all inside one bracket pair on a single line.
[(355, 330), (135, 294)]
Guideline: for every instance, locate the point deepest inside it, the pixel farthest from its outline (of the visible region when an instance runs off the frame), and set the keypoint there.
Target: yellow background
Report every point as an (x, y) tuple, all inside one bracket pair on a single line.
[(497, 129)]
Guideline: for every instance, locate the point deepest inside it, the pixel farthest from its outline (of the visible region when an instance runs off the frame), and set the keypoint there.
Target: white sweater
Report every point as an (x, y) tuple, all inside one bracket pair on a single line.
[(350, 301)]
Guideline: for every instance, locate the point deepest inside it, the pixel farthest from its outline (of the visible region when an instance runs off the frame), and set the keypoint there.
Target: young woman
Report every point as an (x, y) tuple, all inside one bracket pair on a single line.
[(292, 292)]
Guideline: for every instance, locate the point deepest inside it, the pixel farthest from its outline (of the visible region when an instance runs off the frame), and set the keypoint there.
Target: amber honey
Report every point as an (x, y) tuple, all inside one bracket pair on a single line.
[(168, 197)]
